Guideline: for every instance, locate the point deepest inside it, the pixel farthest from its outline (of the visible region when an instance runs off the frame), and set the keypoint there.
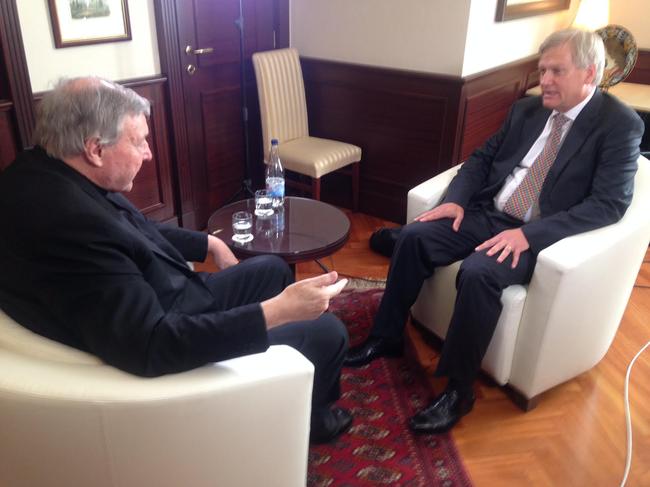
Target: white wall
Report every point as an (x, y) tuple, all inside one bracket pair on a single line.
[(490, 43), (634, 15), (419, 35), (116, 61), (455, 37)]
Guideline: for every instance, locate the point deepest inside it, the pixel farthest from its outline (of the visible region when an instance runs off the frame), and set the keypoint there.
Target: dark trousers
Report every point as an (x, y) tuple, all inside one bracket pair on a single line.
[(322, 341), (424, 246)]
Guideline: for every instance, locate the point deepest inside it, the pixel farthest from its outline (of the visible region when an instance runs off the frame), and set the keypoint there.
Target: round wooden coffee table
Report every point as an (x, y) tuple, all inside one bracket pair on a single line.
[(304, 229)]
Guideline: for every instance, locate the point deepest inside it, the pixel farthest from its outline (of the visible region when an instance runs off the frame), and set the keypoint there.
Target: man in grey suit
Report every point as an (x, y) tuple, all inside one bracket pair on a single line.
[(80, 264), (561, 164)]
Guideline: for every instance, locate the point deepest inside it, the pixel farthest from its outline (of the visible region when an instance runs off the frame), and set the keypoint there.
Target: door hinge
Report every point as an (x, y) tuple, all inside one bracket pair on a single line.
[(274, 44)]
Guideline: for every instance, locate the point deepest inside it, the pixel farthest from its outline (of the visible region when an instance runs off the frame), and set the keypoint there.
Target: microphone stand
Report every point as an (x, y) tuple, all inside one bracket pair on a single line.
[(246, 190)]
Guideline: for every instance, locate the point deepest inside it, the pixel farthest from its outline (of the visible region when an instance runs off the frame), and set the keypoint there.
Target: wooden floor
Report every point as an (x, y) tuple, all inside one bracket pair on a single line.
[(576, 436)]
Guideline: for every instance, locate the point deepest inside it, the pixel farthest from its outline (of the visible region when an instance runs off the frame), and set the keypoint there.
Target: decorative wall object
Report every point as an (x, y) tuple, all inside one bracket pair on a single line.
[(82, 22), (515, 9), (620, 54)]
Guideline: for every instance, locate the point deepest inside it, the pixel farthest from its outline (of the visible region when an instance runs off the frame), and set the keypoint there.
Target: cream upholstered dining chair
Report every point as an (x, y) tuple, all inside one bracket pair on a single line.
[(283, 110), (562, 323), (70, 420)]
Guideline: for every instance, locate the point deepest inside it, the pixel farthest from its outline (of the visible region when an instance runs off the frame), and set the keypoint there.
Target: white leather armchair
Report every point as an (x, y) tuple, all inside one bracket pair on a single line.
[(67, 419), (562, 323)]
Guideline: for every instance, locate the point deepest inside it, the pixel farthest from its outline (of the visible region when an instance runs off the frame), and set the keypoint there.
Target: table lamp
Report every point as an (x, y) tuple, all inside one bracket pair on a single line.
[(592, 15)]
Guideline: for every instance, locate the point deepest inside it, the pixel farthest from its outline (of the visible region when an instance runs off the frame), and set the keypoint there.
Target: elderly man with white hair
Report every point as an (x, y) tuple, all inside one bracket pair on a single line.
[(81, 265), (561, 164)]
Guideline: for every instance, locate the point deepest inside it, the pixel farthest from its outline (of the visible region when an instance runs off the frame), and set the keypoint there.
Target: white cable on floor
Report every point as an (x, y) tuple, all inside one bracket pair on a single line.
[(628, 419)]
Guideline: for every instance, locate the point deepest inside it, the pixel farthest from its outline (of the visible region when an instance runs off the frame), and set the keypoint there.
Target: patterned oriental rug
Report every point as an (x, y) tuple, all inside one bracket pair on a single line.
[(379, 449)]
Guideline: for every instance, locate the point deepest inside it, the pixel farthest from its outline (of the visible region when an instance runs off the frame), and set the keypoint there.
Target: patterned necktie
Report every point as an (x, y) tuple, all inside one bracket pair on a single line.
[(527, 193)]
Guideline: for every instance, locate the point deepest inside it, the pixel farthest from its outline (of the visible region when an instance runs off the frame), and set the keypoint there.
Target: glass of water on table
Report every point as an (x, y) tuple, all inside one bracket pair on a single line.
[(242, 226), (263, 203)]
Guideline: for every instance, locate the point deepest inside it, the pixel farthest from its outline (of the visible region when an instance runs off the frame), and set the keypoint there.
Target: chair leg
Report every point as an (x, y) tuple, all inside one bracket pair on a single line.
[(315, 188), (524, 403), (356, 170)]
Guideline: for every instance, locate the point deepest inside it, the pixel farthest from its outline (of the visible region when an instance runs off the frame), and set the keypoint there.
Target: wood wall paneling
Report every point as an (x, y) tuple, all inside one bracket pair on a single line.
[(8, 149), (641, 71), (14, 72), (484, 114), (641, 74), (281, 23), (5, 94), (153, 187), (402, 121), (410, 126), (488, 97)]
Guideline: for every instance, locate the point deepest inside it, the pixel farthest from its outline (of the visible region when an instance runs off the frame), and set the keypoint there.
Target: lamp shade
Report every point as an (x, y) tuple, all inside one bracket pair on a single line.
[(592, 15)]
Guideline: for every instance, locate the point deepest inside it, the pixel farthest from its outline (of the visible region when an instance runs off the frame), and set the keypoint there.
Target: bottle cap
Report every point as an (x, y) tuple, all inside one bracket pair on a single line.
[(274, 141)]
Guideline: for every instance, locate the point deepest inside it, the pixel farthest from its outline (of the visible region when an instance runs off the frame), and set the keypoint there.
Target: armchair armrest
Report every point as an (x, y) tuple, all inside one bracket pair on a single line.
[(429, 193), (577, 297)]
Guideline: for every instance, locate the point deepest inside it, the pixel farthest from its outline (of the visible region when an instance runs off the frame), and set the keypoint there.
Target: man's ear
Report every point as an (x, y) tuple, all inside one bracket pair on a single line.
[(591, 74), (93, 151)]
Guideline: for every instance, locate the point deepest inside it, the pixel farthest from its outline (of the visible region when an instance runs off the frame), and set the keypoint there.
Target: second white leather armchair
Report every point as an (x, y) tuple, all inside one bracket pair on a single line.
[(562, 323)]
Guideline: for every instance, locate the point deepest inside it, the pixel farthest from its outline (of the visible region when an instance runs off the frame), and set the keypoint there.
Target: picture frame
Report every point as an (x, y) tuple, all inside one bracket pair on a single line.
[(516, 9), (84, 22)]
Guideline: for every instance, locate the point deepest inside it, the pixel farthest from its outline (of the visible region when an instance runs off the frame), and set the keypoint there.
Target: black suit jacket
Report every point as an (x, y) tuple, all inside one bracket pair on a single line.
[(589, 185), (83, 266)]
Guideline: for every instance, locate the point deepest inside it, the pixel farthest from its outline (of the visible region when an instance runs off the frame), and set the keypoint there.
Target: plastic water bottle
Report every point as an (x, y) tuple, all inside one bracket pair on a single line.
[(275, 176)]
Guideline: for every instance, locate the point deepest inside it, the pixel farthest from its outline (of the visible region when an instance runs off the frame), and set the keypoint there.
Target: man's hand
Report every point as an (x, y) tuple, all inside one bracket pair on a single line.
[(302, 300), (507, 242), (221, 253), (446, 210)]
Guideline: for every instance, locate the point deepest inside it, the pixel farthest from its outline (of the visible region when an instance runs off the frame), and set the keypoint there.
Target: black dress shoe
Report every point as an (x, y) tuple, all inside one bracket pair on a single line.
[(326, 429), (371, 349), (384, 239), (443, 412)]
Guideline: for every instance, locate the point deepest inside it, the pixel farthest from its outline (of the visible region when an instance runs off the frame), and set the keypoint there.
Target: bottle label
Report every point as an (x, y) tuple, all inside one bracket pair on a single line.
[(275, 188)]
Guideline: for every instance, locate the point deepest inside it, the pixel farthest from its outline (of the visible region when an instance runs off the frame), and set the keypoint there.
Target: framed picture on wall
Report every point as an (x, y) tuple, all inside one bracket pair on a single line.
[(516, 9), (82, 22)]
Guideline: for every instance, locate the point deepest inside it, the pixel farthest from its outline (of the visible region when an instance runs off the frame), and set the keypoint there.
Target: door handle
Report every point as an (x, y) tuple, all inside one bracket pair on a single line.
[(190, 51)]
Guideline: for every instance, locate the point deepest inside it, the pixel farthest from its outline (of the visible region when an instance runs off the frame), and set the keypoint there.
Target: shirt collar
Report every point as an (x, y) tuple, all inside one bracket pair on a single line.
[(573, 113)]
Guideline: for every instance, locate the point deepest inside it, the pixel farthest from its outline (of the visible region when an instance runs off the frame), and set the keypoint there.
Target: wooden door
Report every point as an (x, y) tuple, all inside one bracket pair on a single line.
[(211, 83)]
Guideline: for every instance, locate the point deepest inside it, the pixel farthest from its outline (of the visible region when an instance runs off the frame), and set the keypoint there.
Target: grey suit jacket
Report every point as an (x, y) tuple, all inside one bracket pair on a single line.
[(590, 183)]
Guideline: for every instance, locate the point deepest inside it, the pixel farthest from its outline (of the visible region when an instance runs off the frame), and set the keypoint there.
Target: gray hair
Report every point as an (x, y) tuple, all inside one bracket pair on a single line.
[(587, 48), (78, 109)]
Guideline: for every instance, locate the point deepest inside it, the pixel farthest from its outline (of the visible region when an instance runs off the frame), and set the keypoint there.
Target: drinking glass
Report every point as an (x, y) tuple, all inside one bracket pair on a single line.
[(263, 203), (242, 226)]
